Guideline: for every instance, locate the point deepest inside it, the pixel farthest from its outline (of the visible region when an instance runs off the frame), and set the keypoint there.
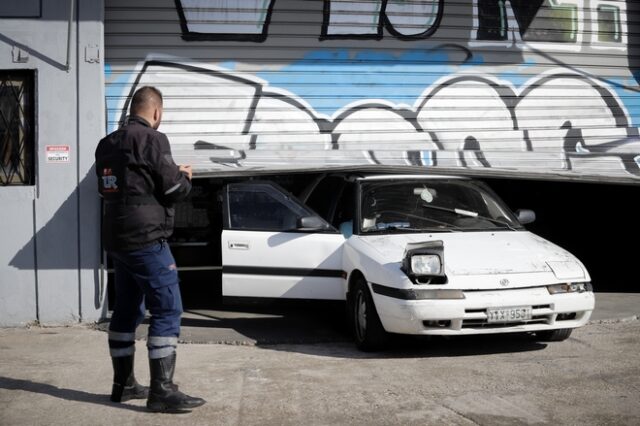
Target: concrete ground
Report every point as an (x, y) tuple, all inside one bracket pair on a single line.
[(61, 375)]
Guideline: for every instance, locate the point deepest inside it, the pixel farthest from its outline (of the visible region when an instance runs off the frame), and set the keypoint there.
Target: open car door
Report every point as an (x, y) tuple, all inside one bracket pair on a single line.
[(274, 246)]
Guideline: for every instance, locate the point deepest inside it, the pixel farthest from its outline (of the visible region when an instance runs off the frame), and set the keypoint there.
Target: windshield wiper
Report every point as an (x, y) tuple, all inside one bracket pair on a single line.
[(407, 229), (469, 213), (428, 219)]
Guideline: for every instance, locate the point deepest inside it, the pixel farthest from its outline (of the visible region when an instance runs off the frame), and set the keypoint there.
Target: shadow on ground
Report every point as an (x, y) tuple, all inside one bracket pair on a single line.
[(400, 347), (321, 329), (63, 393)]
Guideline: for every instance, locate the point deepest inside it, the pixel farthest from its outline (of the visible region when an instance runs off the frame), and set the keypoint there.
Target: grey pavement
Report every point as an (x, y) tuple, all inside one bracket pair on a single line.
[(616, 306), (61, 375)]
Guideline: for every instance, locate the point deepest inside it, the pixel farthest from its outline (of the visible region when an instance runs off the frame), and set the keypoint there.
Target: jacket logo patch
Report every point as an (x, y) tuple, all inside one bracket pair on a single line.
[(109, 181)]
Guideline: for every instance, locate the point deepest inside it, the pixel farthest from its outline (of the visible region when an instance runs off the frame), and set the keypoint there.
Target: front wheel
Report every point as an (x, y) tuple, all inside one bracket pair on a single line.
[(554, 335), (367, 329)]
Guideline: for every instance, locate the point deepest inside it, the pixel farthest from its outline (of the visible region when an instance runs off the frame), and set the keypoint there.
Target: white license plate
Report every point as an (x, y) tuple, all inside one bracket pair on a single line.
[(513, 314)]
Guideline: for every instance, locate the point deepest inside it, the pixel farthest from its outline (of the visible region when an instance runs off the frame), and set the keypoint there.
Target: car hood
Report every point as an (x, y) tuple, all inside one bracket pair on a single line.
[(482, 253)]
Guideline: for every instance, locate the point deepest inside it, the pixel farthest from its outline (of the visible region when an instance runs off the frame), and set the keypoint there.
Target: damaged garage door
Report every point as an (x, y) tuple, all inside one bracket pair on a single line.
[(516, 88)]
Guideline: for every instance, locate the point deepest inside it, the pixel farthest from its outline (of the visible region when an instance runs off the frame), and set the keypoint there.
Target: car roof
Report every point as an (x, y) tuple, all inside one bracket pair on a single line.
[(407, 177)]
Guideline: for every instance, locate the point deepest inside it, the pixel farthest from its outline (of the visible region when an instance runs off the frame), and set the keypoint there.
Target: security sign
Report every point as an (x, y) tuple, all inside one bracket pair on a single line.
[(57, 153)]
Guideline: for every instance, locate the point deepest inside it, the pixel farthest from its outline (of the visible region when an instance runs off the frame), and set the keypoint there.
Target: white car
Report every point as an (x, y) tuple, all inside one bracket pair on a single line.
[(410, 254)]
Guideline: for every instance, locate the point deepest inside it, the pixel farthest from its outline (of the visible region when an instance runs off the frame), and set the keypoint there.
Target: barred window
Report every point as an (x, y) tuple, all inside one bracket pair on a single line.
[(16, 127)]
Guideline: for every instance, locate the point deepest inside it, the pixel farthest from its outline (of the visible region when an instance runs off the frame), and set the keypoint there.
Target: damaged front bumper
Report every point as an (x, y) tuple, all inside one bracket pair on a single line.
[(469, 315)]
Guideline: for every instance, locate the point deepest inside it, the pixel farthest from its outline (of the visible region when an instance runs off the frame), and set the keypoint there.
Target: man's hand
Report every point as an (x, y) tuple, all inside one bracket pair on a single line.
[(186, 169)]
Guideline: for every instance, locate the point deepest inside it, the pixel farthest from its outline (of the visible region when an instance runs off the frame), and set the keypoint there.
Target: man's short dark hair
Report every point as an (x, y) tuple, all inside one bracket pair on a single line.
[(144, 98)]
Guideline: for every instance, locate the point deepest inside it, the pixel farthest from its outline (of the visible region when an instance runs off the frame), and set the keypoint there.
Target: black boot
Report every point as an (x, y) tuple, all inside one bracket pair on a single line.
[(125, 386), (164, 394)]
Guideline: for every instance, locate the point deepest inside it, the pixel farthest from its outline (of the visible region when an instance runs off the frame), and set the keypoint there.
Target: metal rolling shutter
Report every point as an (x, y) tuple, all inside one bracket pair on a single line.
[(515, 88)]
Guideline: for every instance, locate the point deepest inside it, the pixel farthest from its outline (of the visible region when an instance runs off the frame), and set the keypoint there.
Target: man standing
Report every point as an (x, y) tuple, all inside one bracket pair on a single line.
[(140, 183)]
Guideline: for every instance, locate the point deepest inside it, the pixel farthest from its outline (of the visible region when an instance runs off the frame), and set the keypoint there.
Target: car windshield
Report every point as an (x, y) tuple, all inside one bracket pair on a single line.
[(434, 205)]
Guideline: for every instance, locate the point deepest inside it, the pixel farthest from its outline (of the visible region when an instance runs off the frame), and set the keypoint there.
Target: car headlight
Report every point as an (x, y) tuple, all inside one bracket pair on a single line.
[(569, 288), (426, 264)]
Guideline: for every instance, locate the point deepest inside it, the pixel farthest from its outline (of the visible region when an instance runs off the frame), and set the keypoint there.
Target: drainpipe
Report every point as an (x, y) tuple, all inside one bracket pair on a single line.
[(71, 7)]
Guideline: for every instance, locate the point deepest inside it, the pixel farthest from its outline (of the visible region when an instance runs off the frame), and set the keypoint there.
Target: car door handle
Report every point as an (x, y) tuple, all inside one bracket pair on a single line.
[(239, 245)]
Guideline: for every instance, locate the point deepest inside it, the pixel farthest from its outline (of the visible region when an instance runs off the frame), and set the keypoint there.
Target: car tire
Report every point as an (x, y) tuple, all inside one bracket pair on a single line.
[(554, 335), (367, 330)]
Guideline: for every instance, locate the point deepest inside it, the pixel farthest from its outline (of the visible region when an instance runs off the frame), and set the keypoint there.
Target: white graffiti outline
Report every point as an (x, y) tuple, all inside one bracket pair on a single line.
[(571, 148), (383, 21), (189, 35)]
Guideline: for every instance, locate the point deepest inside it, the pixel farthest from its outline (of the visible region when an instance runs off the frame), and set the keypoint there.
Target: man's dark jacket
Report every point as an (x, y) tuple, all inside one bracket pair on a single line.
[(139, 183)]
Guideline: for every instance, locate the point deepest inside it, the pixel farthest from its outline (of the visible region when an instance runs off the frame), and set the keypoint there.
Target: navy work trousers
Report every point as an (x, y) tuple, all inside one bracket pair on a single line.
[(145, 278)]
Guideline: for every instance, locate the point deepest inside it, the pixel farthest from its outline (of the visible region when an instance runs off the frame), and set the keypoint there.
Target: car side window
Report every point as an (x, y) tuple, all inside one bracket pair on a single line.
[(263, 207)]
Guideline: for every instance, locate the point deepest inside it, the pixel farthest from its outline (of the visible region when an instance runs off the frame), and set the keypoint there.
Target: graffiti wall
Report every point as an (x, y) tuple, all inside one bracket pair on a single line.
[(513, 86)]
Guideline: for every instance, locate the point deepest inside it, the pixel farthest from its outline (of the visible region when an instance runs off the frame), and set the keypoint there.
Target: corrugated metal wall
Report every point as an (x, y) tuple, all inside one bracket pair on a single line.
[(516, 87)]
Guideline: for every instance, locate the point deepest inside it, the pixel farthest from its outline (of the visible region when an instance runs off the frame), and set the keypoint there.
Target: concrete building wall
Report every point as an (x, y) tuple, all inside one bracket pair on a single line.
[(18, 303), (50, 251)]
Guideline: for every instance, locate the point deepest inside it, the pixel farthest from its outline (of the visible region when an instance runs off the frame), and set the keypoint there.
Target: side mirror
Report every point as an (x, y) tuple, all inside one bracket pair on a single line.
[(526, 216), (311, 223)]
